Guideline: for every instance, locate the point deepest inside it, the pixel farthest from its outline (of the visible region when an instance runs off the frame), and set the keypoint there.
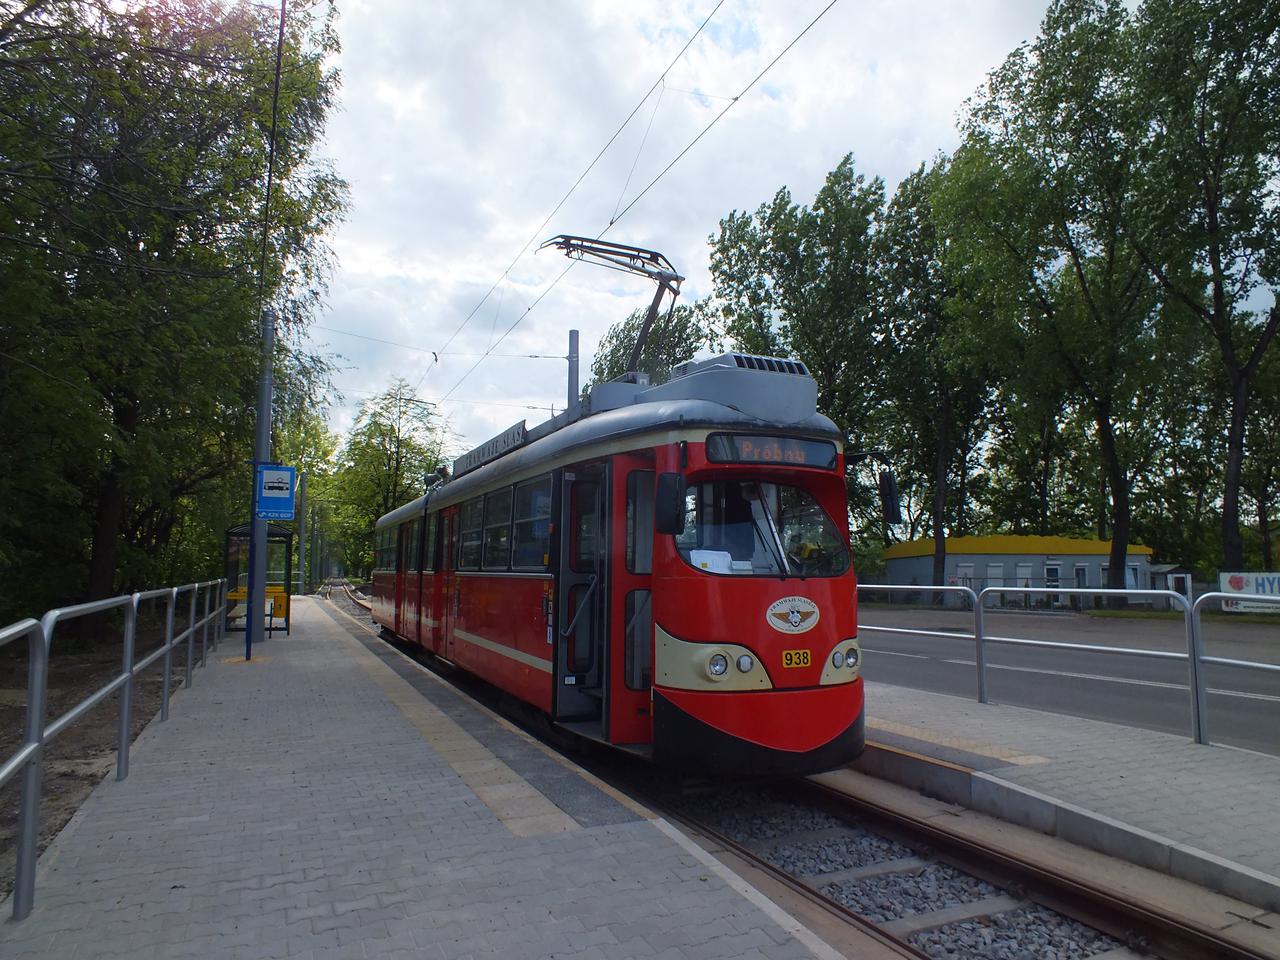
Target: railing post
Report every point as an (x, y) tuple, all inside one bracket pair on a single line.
[(170, 605), (1199, 698), (204, 630), (24, 886), (979, 646), (191, 633), (126, 691), (221, 619)]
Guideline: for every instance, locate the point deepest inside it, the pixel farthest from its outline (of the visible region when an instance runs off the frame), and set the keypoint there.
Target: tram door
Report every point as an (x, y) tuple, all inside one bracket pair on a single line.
[(631, 611), (402, 573), (449, 598), (582, 622)]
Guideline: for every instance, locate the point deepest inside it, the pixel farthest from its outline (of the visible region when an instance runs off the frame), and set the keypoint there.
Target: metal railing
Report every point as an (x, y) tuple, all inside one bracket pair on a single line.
[(29, 758), (1194, 657)]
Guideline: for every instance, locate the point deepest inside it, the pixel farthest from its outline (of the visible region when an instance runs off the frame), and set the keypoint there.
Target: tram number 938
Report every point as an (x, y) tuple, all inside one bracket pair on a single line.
[(795, 658)]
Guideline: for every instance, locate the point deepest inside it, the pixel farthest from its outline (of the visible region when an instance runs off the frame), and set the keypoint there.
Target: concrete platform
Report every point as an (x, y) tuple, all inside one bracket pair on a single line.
[(332, 800), (1207, 814)]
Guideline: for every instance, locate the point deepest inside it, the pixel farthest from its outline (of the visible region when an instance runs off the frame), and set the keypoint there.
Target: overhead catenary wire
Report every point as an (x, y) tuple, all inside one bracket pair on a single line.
[(467, 400), (729, 106), (537, 234), (409, 346), (652, 183)]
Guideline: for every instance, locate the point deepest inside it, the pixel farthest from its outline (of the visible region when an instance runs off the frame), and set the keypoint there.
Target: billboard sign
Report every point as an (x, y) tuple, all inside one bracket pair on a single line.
[(273, 493), (1251, 585)]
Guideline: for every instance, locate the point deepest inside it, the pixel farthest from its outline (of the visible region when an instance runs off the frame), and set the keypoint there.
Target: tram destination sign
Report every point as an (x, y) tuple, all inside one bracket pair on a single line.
[(508, 439), (755, 448)]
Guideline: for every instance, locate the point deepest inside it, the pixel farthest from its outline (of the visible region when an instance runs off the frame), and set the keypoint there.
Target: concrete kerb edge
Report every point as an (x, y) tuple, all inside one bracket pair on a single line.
[(1012, 803)]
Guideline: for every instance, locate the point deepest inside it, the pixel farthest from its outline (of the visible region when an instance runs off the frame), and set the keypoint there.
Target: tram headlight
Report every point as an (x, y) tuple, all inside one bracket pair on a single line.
[(717, 665), (851, 658), (837, 659), (745, 663)]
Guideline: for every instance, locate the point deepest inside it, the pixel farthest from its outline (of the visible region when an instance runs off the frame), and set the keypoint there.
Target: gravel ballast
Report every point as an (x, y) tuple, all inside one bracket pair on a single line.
[(897, 895), (857, 849), (1035, 933)]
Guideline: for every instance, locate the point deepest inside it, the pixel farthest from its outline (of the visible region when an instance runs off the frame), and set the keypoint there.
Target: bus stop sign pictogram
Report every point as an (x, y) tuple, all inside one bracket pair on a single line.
[(273, 492)]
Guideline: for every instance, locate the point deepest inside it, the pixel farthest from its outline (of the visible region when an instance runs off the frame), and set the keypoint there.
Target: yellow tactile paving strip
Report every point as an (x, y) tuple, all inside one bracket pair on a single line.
[(520, 807), (956, 743)]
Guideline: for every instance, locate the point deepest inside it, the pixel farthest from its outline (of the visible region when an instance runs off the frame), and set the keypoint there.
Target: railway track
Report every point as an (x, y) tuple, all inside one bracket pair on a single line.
[(902, 883)]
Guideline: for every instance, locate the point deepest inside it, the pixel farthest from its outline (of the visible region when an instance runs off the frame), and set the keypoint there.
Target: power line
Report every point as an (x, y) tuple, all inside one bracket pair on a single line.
[(435, 353), (590, 166), (480, 403), (729, 106), (689, 146)]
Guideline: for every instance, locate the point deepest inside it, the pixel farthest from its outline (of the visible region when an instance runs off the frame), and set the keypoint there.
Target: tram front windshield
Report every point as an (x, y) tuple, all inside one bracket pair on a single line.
[(748, 528)]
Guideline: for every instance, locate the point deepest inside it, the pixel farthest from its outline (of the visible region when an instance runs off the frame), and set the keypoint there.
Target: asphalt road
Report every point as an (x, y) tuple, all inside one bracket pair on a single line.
[(1121, 687)]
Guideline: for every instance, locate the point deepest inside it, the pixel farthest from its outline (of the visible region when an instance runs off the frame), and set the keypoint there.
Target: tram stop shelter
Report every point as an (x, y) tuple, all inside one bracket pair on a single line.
[(279, 562)]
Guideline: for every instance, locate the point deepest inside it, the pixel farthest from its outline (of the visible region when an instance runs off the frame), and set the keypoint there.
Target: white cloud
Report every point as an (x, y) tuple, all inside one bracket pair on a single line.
[(463, 124)]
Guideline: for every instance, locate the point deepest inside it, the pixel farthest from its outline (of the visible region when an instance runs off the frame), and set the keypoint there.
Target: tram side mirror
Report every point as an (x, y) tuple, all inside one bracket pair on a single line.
[(889, 503), (668, 507)]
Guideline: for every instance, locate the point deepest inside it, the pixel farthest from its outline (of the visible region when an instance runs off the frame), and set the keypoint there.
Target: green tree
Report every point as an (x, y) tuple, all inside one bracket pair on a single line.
[(799, 281), (132, 156), (936, 395), (395, 443), (673, 339), (1206, 85), (1035, 202)]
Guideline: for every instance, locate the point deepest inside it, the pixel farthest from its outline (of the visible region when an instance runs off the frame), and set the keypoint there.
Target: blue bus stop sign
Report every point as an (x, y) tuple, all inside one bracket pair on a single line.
[(273, 493)]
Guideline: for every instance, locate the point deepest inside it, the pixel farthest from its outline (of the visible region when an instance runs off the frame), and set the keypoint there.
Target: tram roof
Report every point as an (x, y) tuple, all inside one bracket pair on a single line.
[(721, 393)]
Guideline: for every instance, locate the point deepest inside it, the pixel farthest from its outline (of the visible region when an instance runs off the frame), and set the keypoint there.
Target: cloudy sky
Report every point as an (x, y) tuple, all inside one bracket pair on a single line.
[(464, 124)]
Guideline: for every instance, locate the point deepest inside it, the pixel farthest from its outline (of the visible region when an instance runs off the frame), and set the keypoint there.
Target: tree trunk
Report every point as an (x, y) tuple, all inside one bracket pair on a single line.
[(106, 534), (1232, 541), (109, 513), (1119, 484), (1042, 491), (1264, 528), (940, 462)]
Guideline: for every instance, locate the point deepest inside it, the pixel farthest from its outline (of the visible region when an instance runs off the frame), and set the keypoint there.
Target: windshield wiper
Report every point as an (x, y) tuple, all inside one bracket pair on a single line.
[(776, 541)]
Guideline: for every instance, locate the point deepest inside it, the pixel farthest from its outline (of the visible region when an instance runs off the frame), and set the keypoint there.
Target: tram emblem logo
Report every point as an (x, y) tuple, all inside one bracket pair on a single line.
[(792, 615)]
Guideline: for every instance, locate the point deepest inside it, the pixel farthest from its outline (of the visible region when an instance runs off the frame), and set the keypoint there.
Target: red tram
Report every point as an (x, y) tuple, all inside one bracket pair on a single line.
[(665, 569)]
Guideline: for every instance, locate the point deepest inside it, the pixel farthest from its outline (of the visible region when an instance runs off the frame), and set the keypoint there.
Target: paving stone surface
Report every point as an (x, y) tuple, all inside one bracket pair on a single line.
[(290, 809), (1221, 800)]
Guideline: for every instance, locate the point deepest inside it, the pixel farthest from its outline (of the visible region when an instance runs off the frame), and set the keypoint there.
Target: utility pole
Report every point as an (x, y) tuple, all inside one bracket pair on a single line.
[(253, 621), (302, 536), (572, 408)]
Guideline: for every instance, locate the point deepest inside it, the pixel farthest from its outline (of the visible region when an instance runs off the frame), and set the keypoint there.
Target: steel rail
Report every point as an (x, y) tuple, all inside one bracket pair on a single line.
[(1140, 925), (867, 927)]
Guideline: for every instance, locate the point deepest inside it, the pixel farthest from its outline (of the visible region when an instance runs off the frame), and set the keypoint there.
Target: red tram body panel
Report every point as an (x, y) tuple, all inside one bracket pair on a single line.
[(666, 569)]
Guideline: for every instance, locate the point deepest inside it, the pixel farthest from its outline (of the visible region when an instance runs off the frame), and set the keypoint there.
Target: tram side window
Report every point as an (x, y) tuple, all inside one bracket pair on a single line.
[(531, 543), (384, 550), (411, 548), (640, 521), (429, 545), (470, 534), (497, 530)]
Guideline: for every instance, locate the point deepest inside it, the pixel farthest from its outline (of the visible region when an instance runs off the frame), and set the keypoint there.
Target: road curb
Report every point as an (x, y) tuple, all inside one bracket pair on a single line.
[(989, 794)]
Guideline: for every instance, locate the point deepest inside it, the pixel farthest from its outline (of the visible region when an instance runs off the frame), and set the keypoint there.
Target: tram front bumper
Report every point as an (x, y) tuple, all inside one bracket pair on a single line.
[(759, 733)]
